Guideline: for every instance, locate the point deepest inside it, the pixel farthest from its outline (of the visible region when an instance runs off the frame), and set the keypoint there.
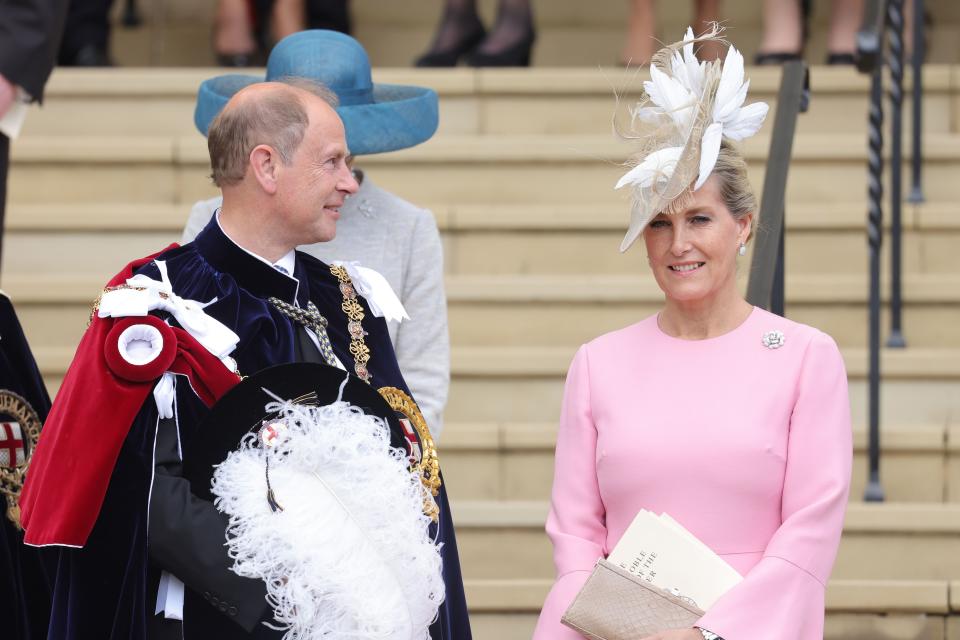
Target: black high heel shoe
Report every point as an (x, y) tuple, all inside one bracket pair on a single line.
[(475, 34), (252, 59), (837, 59), (771, 58), (516, 55)]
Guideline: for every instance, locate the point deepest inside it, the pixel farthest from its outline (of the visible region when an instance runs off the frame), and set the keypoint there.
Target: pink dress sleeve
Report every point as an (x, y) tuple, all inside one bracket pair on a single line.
[(576, 520), (783, 595)]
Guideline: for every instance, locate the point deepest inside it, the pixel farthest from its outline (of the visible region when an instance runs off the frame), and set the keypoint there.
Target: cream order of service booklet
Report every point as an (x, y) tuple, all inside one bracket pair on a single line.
[(659, 550)]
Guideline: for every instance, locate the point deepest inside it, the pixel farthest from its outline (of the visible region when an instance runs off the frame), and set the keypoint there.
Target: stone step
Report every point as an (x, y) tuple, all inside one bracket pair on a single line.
[(485, 239), (449, 169), (461, 218), (516, 311), (550, 363), (506, 540), (526, 384), (738, 15), (514, 461), (568, 32), (503, 609), (536, 398), (545, 101)]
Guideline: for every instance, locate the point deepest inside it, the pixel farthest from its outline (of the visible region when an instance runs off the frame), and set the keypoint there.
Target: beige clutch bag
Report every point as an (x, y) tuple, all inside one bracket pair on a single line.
[(616, 605)]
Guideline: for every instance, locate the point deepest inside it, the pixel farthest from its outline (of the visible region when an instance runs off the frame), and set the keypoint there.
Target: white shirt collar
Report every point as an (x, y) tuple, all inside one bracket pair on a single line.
[(287, 262)]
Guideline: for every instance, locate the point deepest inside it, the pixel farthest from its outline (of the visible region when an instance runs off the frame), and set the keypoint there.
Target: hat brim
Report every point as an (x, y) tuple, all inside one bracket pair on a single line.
[(399, 117), (241, 410)]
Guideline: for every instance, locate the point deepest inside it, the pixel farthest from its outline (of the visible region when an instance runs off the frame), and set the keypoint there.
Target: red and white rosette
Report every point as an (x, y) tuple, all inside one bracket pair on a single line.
[(140, 349)]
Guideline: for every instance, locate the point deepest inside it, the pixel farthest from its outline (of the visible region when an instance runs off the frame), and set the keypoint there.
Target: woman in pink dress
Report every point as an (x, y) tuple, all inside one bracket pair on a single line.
[(730, 419)]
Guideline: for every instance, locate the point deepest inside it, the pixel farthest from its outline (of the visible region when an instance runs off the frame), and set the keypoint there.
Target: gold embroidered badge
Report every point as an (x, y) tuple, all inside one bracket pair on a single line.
[(423, 451), (19, 432)]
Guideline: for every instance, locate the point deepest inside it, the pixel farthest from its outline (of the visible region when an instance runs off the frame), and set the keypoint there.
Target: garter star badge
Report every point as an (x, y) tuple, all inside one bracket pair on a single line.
[(19, 432), (420, 446)]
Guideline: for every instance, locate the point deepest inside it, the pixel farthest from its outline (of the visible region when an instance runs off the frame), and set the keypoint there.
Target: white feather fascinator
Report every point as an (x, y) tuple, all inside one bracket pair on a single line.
[(686, 109), (343, 546)]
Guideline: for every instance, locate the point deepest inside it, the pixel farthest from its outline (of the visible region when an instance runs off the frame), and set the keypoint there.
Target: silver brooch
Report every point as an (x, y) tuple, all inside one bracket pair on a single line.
[(773, 339), (365, 208)]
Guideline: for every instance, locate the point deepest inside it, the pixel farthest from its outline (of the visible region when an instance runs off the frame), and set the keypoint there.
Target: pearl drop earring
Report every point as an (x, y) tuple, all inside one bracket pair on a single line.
[(743, 249)]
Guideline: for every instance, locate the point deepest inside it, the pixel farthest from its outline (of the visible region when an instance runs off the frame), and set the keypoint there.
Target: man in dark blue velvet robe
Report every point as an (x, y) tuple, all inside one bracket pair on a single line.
[(24, 580), (278, 153)]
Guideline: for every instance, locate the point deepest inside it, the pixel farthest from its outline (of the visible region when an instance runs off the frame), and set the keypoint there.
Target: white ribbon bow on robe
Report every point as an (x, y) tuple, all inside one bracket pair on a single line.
[(378, 293), (145, 295)]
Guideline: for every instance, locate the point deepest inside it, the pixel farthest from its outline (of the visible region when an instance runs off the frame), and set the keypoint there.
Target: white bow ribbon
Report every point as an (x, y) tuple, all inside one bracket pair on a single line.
[(381, 297), (147, 295), (164, 394), (170, 597)]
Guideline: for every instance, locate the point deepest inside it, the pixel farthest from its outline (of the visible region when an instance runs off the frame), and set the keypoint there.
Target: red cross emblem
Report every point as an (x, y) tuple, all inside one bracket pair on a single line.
[(12, 452), (413, 441)]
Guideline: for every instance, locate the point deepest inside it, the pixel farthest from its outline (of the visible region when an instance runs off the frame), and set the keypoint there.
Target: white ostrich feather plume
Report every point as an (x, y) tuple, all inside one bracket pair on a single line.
[(350, 555), (687, 110)]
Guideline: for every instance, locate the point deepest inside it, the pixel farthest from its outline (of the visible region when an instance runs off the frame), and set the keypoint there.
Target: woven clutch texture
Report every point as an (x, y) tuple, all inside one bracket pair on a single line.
[(614, 604)]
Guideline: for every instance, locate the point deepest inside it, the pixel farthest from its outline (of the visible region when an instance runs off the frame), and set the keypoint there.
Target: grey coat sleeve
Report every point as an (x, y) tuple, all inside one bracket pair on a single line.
[(423, 342), (187, 538), (200, 215)]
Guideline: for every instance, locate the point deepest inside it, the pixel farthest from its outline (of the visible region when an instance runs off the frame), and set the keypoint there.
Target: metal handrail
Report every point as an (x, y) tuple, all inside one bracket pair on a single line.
[(766, 286), (919, 52), (869, 60), (895, 63)]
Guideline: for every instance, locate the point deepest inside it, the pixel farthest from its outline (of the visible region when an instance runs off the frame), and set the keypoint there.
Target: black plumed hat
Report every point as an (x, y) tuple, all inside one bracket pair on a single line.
[(243, 409)]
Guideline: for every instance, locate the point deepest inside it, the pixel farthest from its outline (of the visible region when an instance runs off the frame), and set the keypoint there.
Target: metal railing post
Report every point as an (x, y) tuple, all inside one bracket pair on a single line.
[(778, 295), (869, 60), (766, 286), (895, 63), (919, 52), (874, 491)]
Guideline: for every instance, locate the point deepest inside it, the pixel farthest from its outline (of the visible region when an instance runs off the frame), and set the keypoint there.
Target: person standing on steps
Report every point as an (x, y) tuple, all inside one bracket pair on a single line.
[(141, 555), (733, 421), (377, 228)]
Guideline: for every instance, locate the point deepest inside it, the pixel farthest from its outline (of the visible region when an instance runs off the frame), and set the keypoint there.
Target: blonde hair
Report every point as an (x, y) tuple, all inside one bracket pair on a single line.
[(735, 189), (736, 192)]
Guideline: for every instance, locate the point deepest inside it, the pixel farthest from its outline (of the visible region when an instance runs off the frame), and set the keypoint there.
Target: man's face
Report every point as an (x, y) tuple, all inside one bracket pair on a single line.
[(313, 186)]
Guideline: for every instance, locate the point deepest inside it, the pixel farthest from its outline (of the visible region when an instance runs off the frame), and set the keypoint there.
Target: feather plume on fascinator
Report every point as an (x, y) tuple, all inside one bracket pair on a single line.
[(686, 109)]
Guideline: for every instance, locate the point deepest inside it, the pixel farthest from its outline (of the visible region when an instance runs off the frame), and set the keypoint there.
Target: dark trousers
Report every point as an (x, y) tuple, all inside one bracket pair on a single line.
[(88, 22), (328, 14)]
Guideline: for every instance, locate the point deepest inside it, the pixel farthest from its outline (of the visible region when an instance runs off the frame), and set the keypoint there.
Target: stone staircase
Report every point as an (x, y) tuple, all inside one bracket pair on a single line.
[(520, 178), (569, 32)]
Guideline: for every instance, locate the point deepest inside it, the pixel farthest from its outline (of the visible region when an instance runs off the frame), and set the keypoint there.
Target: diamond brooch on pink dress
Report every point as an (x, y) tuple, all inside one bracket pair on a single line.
[(773, 339)]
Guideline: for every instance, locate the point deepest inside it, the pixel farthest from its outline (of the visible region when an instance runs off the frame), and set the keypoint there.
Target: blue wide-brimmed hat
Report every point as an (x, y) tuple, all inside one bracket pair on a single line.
[(377, 117)]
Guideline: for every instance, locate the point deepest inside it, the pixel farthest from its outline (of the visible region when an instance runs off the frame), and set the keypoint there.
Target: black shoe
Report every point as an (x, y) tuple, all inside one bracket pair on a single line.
[(841, 59), (252, 59), (333, 15), (471, 38), (775, 58), (516, 55), (89, 55)]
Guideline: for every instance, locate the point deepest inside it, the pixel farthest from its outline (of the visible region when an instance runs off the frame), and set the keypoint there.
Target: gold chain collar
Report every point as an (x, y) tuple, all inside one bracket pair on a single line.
[(355, 315)]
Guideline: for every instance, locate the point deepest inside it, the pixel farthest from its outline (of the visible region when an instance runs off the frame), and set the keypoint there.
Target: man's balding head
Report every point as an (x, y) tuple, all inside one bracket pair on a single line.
[(266, 113)]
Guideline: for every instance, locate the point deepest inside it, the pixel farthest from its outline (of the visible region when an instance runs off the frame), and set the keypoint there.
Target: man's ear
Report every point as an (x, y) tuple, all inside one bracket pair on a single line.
[(265, 165)]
